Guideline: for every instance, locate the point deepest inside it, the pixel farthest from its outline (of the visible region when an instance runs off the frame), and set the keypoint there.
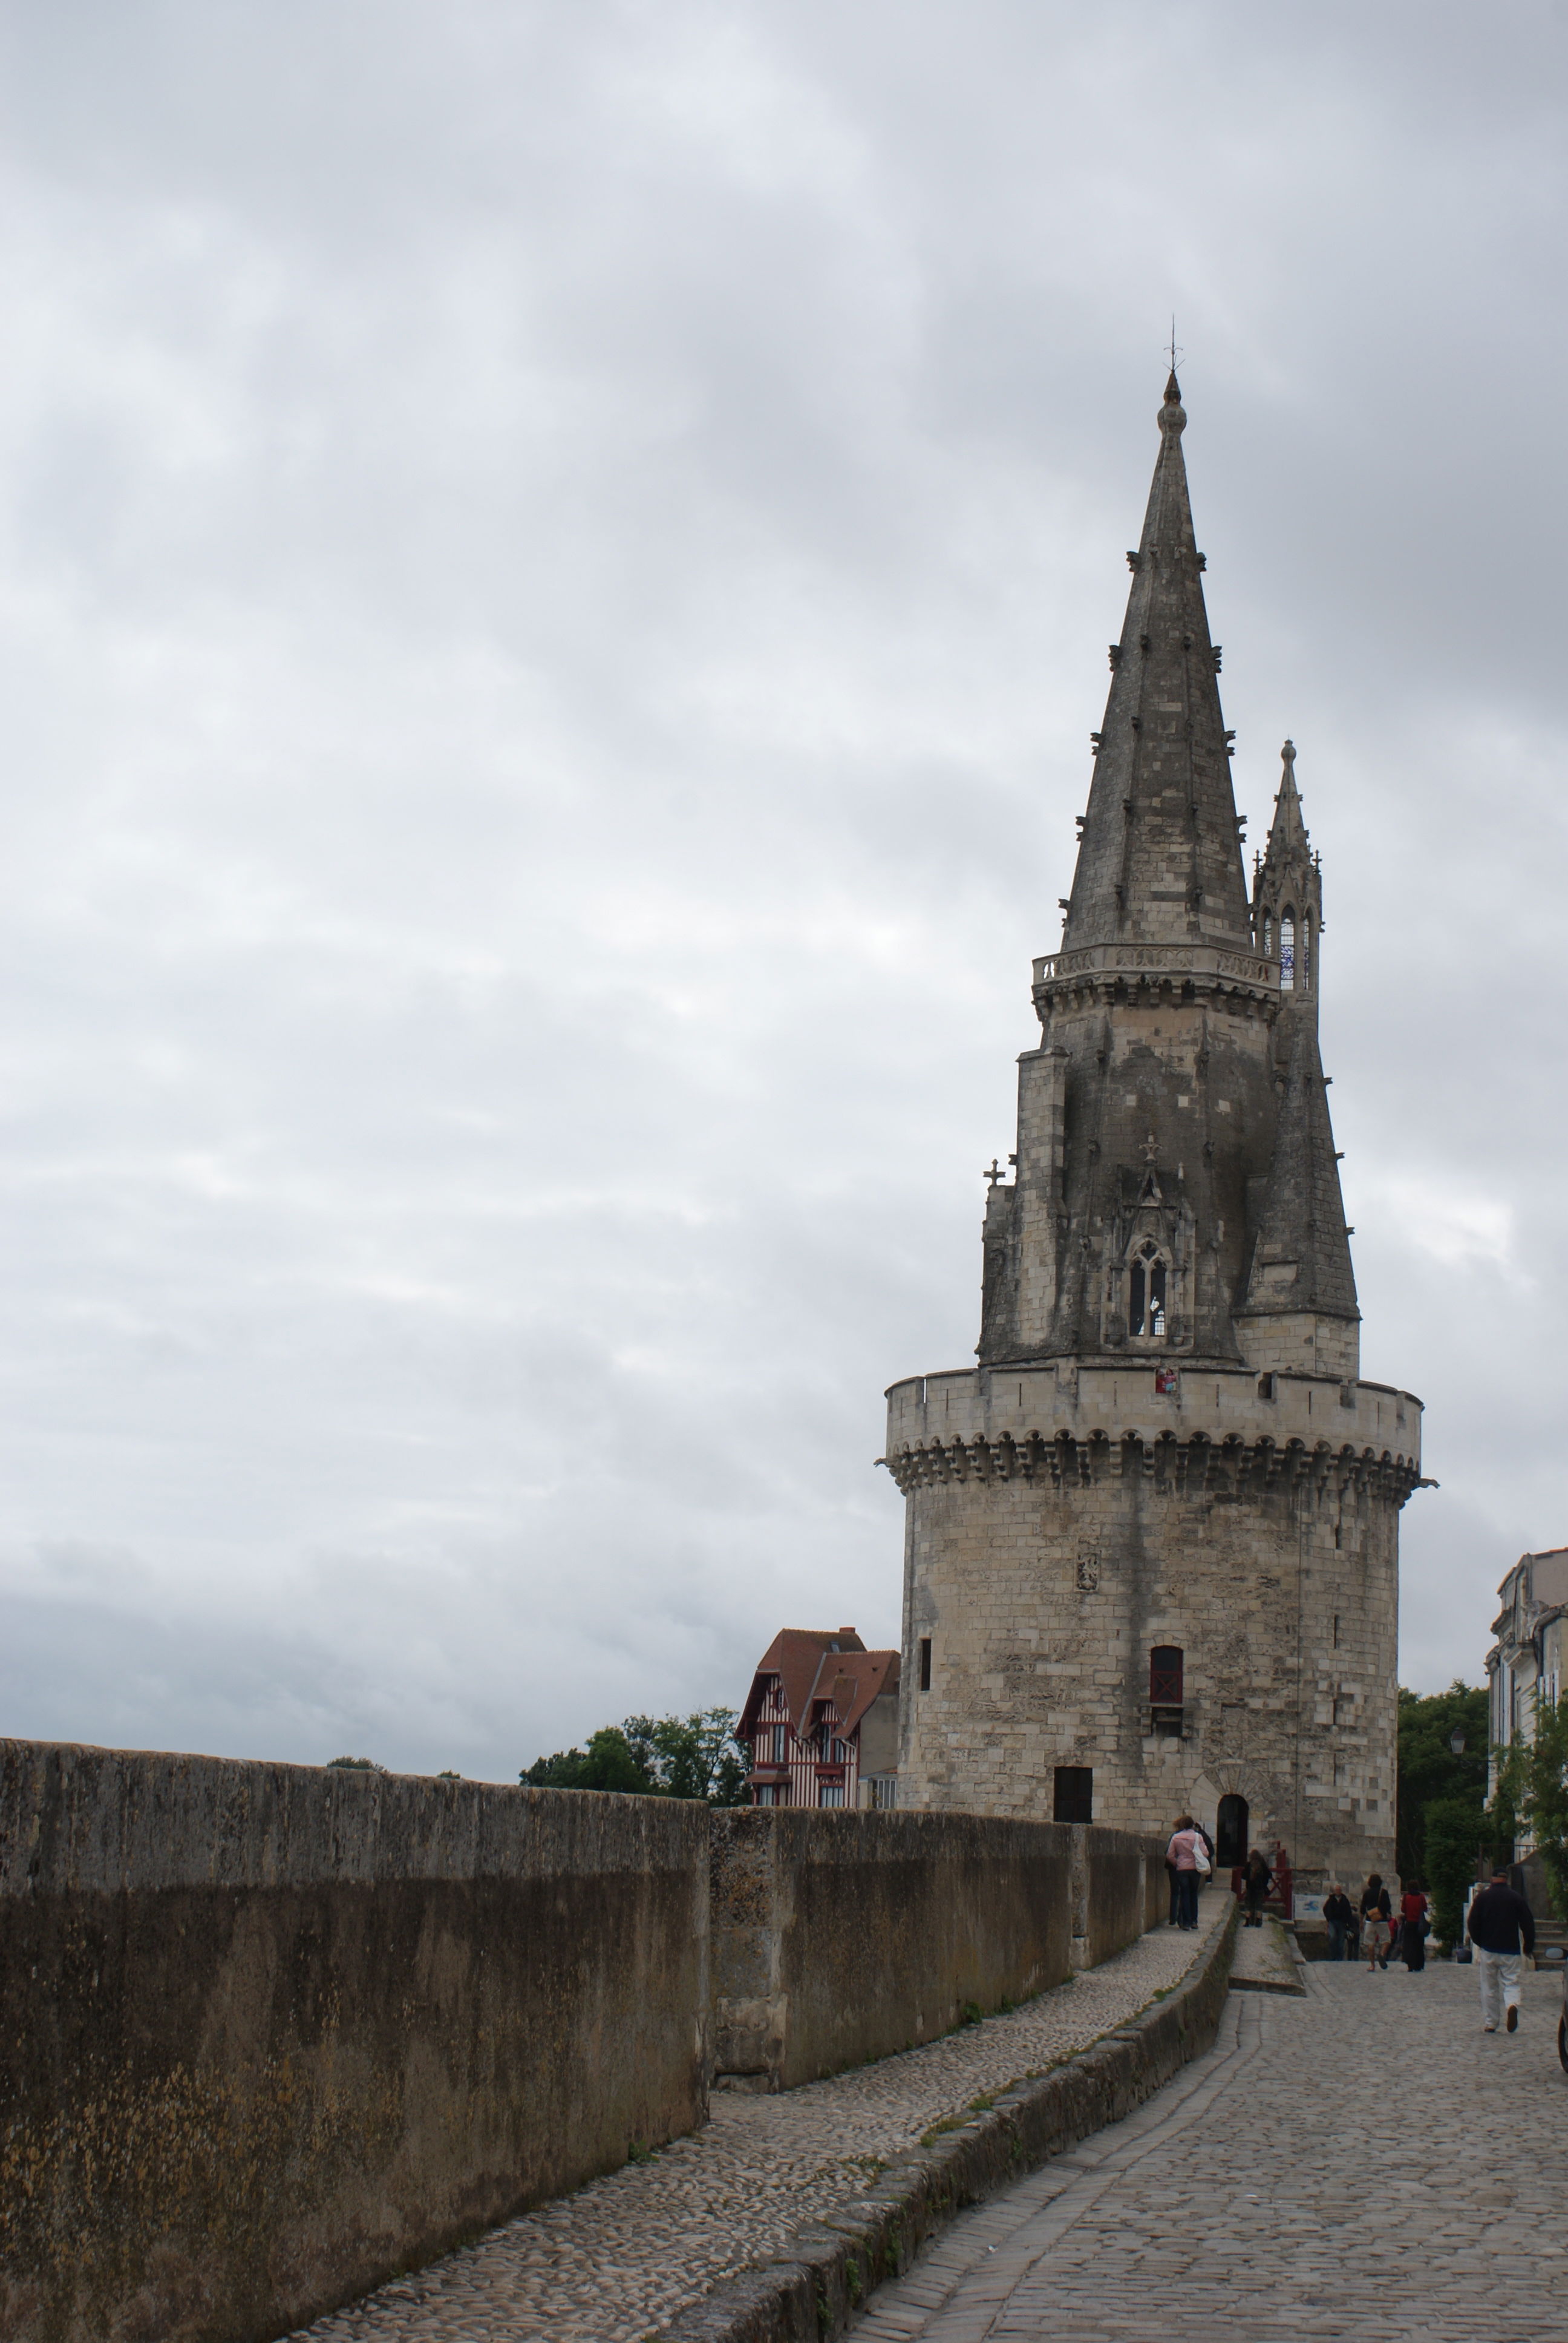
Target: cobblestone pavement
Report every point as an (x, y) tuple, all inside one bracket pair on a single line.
[(1361, 2162), (1266, 1957), (622, 2255)]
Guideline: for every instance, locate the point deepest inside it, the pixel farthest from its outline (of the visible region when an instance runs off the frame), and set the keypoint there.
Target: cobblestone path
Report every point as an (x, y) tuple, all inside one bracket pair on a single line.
[(1362, 2162), (619, 2256)]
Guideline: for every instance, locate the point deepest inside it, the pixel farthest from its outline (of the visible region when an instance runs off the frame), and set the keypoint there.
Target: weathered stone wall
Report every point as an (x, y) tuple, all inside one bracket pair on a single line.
[(273, 2032), (1060, 1527), (1122, 1890), (838, 1937)]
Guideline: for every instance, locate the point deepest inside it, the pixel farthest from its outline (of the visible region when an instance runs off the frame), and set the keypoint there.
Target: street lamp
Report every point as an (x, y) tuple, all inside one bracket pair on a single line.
[(1456, 1741)]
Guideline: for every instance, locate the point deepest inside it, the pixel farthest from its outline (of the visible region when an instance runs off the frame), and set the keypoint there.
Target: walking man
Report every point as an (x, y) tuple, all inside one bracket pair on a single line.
[(1501, 1928)]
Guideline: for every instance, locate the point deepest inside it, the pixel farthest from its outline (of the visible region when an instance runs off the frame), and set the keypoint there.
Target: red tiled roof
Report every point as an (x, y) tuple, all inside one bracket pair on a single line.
[(808, 1670)]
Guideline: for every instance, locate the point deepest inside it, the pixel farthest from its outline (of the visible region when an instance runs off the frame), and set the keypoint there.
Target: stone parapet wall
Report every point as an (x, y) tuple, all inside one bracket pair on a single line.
[(273, 2032), (842, 1937)]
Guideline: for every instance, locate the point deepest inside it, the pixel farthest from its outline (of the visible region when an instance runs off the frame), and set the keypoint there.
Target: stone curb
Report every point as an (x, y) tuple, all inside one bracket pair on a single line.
[(819, 2282)]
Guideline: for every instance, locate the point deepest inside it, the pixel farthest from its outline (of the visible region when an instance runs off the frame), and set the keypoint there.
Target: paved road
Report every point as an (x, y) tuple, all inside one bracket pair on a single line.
[(1363, 2163)]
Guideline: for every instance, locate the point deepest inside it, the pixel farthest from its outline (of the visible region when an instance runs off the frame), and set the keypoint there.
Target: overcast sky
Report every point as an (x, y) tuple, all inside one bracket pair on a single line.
[(554, 569)]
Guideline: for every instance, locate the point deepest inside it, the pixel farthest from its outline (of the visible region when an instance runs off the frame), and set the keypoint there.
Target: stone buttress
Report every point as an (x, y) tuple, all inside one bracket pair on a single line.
[(1151, 1547)]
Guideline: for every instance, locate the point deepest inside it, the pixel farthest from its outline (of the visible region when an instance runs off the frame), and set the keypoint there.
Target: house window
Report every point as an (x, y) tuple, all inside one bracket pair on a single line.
[(839, 1752), (925, 1664), (781, 1743), (830, 1794), (767, 1794), (1073, 1800), (1146, 1293), (1288, 953)]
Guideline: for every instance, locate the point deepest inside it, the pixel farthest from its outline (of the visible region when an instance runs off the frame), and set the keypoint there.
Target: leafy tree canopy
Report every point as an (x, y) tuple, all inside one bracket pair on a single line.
[(691, 1756), (356, 1765), (1428, 1768)]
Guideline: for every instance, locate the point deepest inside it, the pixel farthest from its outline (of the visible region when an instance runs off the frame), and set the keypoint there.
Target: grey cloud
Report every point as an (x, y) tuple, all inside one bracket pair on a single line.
[(556, 568)]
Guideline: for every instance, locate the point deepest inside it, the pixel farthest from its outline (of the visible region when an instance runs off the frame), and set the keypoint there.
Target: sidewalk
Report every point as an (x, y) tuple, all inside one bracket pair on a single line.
[(624, 2255)]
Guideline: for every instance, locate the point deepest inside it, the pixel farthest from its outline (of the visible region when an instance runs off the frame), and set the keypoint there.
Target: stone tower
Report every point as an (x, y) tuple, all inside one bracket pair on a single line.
[(1152, 1540)]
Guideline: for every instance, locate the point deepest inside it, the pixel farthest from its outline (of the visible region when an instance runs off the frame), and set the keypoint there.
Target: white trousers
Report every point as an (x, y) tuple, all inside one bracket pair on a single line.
[(1499, 1974)]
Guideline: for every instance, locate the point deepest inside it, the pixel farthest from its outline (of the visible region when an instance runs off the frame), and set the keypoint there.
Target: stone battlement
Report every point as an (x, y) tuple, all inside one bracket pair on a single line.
[(1105, 1407)]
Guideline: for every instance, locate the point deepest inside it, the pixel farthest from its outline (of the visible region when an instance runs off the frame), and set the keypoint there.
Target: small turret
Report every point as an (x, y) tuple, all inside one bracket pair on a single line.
[(1288, 892), (1300, 1311)]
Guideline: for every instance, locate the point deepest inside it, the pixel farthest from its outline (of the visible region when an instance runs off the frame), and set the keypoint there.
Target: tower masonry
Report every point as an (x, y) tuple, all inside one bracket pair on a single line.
[(1152, 1541)]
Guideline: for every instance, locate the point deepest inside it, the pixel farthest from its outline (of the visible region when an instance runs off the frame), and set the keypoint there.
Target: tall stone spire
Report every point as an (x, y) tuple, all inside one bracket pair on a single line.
[(1160, 860), (1151, 1546)]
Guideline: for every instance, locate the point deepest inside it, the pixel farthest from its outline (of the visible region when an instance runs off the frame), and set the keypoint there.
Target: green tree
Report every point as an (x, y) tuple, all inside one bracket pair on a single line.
[(1430, 1772), (355, 1765), (609, 1763), (1453, 1830), (695, 1756)]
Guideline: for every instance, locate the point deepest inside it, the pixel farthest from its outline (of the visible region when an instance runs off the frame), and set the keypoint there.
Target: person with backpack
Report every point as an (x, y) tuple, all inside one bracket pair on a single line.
[(1187, 1852), (1377, 1916)]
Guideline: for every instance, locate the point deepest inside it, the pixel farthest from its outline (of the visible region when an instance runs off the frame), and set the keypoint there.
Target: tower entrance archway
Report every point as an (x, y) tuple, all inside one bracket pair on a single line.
[(1231, 1832)]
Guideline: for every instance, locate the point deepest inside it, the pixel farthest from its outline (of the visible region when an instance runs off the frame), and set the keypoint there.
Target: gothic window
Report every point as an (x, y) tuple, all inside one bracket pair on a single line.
[(1146, 1293), (1288, 953), (1268, 937), (1304, 954)]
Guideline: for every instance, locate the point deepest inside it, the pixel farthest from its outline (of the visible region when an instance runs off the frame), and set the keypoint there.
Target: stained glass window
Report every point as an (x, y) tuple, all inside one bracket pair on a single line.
[(1287, 954)]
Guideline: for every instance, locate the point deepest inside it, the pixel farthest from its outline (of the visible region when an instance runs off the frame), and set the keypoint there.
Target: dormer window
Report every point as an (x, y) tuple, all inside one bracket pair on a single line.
[(1288, 953), (1146, 1293)]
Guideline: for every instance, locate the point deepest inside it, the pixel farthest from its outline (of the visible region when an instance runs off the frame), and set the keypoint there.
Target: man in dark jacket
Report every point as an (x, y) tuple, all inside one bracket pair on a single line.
[(1502, 1927)]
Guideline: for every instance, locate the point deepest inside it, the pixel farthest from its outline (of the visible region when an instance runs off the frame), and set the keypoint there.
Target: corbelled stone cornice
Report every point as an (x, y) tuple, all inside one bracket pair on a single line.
[(1180, 1467)]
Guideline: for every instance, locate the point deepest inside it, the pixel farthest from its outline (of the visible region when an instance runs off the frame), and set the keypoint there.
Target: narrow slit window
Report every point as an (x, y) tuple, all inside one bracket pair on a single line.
[(925, 1664), (1287, 954)]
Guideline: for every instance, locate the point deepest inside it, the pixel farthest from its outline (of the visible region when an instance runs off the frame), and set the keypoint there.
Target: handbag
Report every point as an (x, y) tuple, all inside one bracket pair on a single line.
[(1200, 1858)]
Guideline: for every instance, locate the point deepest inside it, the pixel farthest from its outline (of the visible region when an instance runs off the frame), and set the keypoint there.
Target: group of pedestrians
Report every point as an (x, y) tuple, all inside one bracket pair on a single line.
[(1501, 1926), (1382, 1933)]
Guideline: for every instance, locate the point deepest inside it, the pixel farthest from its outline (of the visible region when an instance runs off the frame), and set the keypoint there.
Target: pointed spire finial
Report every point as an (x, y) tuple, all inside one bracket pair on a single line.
[(1288, 756), (1172, 387)]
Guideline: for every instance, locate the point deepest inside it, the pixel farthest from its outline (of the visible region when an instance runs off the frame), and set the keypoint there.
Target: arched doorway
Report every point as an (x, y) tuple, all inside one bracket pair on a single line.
[(1231, 1832)]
